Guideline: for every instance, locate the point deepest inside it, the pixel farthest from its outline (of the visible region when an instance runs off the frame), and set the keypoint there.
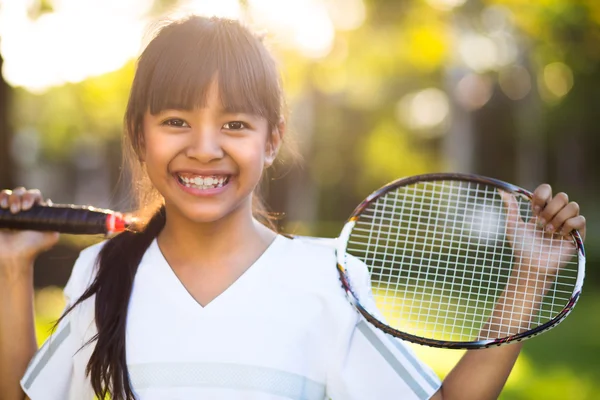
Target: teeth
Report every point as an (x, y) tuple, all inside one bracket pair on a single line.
[(209, 182)]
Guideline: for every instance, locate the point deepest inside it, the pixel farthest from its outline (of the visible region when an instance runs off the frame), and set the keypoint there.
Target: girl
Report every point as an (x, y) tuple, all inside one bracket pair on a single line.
[(203, 301)]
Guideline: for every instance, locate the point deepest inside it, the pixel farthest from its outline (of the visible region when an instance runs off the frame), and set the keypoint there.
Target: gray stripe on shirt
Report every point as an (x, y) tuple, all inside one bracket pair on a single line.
[(54, 343), (392, 360), (225, 375), (415, 363)]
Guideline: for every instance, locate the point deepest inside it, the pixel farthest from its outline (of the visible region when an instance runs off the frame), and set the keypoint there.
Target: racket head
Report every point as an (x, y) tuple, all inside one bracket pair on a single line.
[(437, 273)]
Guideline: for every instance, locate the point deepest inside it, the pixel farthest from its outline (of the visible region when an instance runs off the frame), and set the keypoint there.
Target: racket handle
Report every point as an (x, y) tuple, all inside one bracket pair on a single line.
[(65, 219)]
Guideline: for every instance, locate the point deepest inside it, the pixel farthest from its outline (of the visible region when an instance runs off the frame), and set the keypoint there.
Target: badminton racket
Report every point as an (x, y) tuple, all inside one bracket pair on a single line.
[(458, 261)]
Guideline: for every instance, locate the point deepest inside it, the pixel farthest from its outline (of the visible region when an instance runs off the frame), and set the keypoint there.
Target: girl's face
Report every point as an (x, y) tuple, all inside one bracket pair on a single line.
[(207, 162)]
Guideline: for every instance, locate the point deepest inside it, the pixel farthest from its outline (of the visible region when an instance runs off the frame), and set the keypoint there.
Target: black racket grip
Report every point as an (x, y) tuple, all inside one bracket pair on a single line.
[(58, 218)]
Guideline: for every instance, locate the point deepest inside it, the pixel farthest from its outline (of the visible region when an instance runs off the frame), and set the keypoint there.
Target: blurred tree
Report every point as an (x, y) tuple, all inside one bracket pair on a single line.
[(62, 114), (6, 178)]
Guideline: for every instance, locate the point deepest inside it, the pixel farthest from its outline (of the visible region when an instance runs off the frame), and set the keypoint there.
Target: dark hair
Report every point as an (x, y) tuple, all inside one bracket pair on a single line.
[(175, 70)]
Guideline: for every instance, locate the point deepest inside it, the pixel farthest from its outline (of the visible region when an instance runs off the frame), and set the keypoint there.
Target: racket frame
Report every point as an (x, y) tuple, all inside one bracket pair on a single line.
[(476, 344)]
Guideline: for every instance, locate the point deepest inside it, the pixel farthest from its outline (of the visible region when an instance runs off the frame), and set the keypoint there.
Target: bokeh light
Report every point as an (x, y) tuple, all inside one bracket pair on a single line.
[(478, 52), (445, 4), (497, 19), (557, 81), (425, 109), (515, 82), (473, 91)]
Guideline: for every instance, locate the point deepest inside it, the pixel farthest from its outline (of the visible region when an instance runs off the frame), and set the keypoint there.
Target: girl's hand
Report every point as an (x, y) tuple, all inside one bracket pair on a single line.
[(543, 244), (18, 249)]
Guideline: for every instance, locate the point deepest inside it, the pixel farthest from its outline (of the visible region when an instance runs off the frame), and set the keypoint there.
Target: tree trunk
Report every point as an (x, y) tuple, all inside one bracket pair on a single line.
[(6, 167)]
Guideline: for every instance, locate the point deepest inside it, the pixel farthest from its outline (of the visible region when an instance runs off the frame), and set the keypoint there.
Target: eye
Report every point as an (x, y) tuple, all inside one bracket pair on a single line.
[(235, 125), (175, 122)]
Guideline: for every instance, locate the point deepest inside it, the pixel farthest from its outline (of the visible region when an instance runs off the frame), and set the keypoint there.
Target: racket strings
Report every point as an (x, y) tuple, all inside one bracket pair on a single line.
[(439, 260)]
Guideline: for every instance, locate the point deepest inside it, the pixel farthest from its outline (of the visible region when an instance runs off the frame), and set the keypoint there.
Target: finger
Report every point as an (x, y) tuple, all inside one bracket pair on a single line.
[(512, 207), (541, 196), (577, 223), (4, 194), (553, 207), (30, 198), (14, 200), (571, 210)]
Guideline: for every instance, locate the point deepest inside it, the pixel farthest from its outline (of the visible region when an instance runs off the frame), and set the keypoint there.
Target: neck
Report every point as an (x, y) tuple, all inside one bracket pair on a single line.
[(213, 243)]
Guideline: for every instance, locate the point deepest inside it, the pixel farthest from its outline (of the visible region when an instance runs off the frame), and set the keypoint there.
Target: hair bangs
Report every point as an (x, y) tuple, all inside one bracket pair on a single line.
[(247, 75), (182, 75)]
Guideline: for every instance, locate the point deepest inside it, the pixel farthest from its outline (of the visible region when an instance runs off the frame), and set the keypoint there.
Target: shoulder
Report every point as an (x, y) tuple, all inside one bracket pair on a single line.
[(312, 263), (319, 252), (305, 265), (313, 246), (84, 271), (309, 255), (323, 250)]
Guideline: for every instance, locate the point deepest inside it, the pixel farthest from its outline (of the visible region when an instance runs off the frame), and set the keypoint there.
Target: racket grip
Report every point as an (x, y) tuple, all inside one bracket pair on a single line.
[(65, 219)]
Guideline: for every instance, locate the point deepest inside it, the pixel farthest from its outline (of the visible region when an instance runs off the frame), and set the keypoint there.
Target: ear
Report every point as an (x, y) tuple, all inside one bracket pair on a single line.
[(140, 132), (141, 153), (274, 143)]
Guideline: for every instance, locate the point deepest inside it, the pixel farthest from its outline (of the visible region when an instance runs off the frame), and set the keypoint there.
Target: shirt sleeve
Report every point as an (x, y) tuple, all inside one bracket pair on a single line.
[(371, 364), (50, 372)]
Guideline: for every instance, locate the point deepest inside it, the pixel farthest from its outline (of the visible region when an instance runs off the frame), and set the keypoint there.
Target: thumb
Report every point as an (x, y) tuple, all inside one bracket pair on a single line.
[(50, 239), (41, 241), (513, 215)]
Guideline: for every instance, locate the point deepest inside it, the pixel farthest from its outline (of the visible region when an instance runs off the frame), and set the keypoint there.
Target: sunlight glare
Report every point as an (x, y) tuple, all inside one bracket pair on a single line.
[(210, 8), (302, 24), (78, 40), (346, 15), (85, 38)]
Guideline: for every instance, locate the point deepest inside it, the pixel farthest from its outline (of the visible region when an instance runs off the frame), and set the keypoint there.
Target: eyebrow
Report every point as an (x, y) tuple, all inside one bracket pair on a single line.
[(175, 106), (221, 110)]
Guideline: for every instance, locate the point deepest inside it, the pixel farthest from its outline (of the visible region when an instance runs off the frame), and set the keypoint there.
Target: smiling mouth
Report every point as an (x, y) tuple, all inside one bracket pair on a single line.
[(203, 182)]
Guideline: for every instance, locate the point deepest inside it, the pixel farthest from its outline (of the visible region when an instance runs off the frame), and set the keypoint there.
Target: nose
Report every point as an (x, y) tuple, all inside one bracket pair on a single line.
[(205, 145)]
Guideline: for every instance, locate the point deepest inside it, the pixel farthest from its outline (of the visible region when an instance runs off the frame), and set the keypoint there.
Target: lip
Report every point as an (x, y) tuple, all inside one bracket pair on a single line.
[(203, 172), (203, 192)]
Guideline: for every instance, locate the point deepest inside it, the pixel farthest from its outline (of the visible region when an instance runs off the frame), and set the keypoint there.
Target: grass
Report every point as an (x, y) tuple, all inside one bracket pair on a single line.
[(561, 364)]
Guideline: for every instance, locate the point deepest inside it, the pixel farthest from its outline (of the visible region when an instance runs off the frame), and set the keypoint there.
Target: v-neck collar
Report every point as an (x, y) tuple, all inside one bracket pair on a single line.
[(177, 289)]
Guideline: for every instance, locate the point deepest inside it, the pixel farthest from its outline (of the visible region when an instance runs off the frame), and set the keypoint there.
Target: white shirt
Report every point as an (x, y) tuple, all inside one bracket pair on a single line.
[(283, 330)]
